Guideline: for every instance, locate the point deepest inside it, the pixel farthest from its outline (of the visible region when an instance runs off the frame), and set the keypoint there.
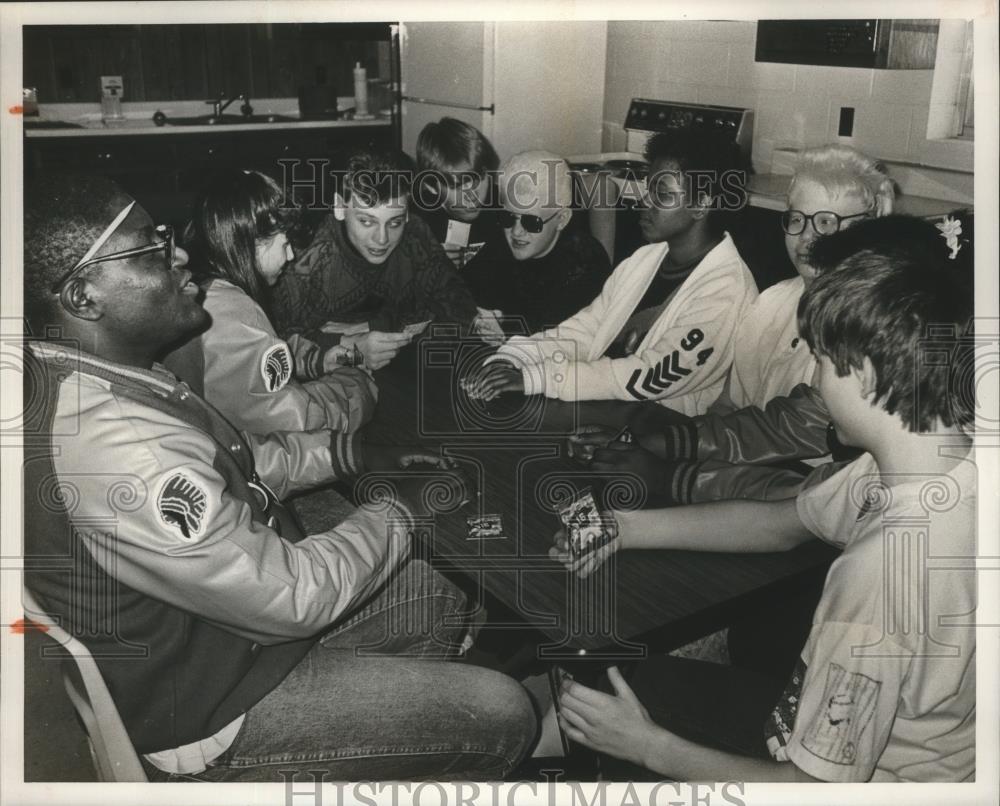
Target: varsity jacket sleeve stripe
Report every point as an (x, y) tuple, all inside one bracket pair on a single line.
[(793, 427), (308, 357), (291, 461)]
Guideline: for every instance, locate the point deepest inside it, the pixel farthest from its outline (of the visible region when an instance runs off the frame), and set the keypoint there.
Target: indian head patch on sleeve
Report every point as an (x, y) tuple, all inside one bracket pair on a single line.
[(182, 505), (276, 366), (849, 700)]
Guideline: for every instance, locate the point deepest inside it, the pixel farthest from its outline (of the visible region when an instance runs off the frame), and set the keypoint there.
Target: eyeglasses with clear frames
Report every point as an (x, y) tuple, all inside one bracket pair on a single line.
[(824, 222), (167, 245)]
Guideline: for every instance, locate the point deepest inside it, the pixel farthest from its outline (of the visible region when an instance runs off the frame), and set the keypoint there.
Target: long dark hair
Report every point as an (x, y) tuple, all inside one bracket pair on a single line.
[(234, 210)]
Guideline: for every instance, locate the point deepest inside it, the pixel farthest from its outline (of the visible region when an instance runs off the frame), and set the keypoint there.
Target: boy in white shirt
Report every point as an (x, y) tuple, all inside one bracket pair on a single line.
[(885, 686)]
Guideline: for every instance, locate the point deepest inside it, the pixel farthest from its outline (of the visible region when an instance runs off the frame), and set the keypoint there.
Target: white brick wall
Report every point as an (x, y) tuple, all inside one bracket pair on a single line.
[(795, 105)]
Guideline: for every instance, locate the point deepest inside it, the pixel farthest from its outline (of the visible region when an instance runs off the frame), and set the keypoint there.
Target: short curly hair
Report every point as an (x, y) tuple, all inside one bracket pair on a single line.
[(842, 170), (63, 216)]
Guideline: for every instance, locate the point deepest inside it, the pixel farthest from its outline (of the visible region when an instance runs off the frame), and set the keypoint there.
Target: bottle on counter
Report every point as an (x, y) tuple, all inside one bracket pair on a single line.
[(111, 106), (361, 92)]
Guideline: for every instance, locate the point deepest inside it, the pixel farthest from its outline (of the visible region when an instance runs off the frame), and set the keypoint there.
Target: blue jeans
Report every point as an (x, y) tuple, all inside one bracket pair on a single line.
[(370, 703)]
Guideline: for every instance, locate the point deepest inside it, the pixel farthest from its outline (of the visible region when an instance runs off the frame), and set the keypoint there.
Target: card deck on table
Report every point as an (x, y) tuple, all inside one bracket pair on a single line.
[(487, 526)]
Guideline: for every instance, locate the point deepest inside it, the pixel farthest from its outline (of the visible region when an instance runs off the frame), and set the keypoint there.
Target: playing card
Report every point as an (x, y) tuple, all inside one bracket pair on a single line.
[(346, 328), (586, 529), (484, 527), (416, 327), (580, 511), (585, 539), (457, 233)]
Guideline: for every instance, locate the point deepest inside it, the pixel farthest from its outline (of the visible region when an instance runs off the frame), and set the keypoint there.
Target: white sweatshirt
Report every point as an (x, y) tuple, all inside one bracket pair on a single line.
[(681, 363)]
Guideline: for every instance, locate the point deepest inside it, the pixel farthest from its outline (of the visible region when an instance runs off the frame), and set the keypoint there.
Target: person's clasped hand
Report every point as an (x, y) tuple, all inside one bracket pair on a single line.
[(582, 443), (615, 724), (377, 346), (493, 380)]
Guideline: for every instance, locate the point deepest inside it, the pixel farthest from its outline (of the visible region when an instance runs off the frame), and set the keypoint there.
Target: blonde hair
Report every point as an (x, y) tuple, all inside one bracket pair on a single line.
[(538, 175), (840, 170)]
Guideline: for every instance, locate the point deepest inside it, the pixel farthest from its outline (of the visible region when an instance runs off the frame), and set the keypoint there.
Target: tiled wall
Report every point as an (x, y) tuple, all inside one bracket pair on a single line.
[(795, 105)]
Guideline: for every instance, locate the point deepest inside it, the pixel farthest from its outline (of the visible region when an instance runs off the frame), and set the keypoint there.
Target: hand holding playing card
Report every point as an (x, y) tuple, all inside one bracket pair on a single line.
[(583, 565), (586, 533), (377, 347)]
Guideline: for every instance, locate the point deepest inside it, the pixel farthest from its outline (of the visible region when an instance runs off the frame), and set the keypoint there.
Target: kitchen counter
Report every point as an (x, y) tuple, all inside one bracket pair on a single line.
[(136, 127), (84, 120), (164, 167), (769, 191)]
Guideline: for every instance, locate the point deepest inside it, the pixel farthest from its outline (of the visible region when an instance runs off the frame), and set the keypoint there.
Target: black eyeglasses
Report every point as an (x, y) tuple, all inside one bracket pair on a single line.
[(167, 245), (823, 222), (531, 223)]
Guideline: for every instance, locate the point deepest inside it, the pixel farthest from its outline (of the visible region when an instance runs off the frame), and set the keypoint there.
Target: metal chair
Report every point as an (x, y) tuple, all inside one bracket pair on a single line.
[(110, 746)]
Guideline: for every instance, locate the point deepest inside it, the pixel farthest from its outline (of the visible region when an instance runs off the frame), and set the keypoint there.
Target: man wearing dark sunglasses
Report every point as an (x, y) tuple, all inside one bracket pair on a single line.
[(543, 270), (227, 637)]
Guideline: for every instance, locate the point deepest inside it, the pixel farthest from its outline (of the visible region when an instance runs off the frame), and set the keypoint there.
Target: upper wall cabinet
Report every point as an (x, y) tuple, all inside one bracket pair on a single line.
[(186, 62), (880, 44)]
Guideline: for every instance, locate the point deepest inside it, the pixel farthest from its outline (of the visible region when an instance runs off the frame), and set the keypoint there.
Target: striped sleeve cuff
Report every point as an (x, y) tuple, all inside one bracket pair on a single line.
[(680, 482), (346, 454), (681, 440), (311, 361)]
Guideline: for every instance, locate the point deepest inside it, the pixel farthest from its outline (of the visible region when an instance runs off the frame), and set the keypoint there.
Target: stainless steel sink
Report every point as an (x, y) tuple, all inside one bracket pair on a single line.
[(224, 120)]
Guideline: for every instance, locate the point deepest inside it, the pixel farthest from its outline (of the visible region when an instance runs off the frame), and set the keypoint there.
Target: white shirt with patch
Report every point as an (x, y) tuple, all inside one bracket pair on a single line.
[(888, 684)]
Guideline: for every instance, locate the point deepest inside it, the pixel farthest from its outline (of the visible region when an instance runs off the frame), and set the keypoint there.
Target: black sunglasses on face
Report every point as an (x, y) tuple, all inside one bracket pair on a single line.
[(531, 223), (168, 246)]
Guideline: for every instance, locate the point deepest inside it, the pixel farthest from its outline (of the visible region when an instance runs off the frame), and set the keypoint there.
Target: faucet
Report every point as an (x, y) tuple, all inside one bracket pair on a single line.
[(220, 104)]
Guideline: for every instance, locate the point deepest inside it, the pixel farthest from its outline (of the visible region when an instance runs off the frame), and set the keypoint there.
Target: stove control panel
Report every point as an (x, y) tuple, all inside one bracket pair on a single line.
[(731, 123)]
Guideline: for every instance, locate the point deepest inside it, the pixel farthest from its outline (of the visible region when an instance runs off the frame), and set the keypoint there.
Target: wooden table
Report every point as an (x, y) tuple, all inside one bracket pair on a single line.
[(514, 450)]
